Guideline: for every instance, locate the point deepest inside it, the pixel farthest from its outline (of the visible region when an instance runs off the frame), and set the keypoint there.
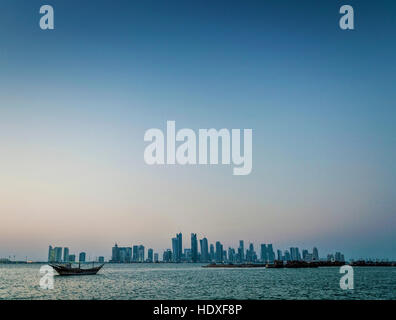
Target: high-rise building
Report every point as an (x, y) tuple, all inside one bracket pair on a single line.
[(101, 259), (72, 258), (204, 250), (271, 253), (194, 247), (121, 254), (287, 255), (250, 253), (82, 257), (135, 254), (174, 249), (128, 254), (219, 252), (66, 255), (156, 257), (179, 237), (231, 255), (51, 254), (305, 254), (177, 247), (295, 254), (187, 255), (298, 254), (167, 256), (58, 254), (339, 257), (264, 253), (150, 253), (115, 254), (315, 254), (241, 250), (212, 252), (141, 253), (280, 256)]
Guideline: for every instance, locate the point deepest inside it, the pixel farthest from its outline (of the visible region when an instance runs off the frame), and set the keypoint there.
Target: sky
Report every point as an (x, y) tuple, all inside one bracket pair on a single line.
[(76, 101)]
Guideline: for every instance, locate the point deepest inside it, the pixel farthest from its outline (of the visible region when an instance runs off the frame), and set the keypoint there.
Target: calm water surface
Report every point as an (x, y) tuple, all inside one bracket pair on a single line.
[(190, 281)]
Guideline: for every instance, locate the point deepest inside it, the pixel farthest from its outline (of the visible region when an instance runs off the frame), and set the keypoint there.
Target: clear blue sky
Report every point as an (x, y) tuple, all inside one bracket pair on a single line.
[(75, 103)]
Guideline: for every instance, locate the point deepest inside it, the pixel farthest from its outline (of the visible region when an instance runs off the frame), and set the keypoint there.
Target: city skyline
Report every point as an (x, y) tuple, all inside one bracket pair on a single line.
[(199, 249), (186, 245), (217, 253)]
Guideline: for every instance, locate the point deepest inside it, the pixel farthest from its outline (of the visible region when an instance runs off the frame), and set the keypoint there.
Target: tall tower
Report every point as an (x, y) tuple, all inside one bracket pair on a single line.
[(66, 255), (241, 250), (179, 237), (315, 254), (194, 247), (51, 254), (174, 249), (204, 250), (264, 253)]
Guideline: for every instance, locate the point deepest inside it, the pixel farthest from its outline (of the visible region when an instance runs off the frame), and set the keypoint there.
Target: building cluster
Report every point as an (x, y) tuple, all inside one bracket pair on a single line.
[(216, 252), (132, 254), (200, 251), (55, 255)]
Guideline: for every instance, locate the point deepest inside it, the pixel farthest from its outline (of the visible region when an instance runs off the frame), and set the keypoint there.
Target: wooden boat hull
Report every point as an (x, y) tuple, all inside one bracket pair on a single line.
[(67, 271)]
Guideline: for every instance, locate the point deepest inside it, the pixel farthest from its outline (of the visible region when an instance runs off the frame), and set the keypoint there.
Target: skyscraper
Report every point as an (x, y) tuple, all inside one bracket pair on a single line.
[(81, 257), (150, 255), (128, 256), (287, 255), (339, 257), (280, 257), (204, 250), (231, 255), (305, 254), (295, 254), (177, 247), (141, 253), (66, 255), (167, 255), (194, 247), (121, 254), (241, 250), (174, 249), (264, 253), (298, 254), (135, 253), (219, 252), (250, 253), (212, 252), (51, 254), (187, 255), (115, 254), (58, 254), (179, 237), (271, 253), (315, 254)]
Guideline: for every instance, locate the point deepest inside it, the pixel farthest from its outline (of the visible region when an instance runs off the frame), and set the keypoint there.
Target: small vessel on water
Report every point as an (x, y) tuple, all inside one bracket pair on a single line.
[(68, 270)]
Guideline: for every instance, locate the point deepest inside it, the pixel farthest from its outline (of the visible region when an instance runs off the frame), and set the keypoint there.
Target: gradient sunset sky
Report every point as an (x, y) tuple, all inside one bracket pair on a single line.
[(75, 103)]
